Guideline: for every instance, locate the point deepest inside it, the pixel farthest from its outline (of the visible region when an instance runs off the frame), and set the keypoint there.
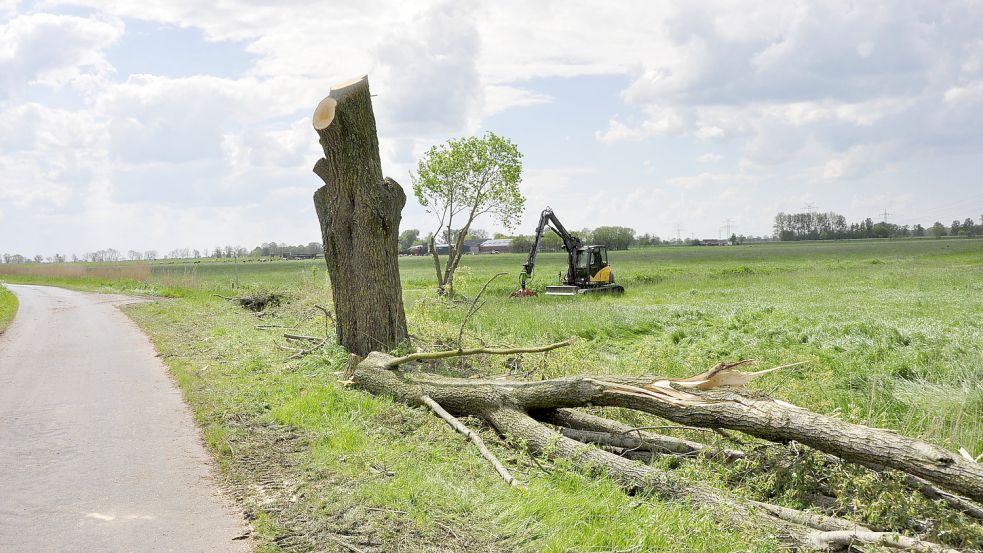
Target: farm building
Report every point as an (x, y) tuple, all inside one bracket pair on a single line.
[(419, 249), (713, 242), (472, 246), (498, 245)]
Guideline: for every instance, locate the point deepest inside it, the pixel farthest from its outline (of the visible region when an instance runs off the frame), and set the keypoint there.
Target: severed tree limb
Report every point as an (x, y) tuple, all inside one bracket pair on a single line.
[(301, 337), (327, 317), (607, 439), (474, 437), (588, 428), (816, 531), (434, 355), (474, 307), (641, 478), (956, 502), (816, 521), (624, 433), (765, 418), (837, 540), (309, 350)]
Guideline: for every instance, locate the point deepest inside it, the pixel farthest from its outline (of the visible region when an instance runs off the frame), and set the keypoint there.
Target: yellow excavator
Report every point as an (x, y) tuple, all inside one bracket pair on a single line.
[(588, 271)]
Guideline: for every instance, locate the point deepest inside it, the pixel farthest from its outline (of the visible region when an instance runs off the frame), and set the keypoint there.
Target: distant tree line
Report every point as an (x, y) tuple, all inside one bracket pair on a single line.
[(108, 255), (269, 249), (833, 226), (615, 238), (272, 249)]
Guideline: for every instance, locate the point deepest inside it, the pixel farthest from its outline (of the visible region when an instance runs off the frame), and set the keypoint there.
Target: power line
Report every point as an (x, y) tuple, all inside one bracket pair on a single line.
[(886, 214), (679, 229), (971, 202), (728, 221)]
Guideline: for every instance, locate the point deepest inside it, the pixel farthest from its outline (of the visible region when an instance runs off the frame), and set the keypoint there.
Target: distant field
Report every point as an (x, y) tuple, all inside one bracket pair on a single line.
[(892, 330), (8, 307)]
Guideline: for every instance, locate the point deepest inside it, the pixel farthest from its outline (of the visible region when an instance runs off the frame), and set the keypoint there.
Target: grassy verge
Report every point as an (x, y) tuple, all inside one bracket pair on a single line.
[(314, 460), (8, 307), (893, 331)]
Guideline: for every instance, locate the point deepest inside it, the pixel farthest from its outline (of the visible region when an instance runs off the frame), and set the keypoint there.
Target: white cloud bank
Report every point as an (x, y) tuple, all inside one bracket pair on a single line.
[(834, 90)]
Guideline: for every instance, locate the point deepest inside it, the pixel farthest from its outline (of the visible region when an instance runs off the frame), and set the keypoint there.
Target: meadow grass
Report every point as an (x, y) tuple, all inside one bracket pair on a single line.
[(892, 330), (8, 307)]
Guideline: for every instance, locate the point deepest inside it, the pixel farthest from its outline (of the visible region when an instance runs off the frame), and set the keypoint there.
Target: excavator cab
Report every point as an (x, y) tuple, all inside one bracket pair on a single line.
[(591, 266)]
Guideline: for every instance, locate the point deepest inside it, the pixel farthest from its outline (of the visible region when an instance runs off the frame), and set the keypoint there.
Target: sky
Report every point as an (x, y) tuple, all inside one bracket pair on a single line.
[(185, 124)]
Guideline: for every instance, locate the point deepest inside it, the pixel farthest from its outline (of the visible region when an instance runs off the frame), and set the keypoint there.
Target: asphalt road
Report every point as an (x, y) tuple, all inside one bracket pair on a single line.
[(98, 451)]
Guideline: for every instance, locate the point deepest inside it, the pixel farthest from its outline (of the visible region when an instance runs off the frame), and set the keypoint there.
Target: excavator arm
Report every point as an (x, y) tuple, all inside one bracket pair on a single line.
[(547, 219)]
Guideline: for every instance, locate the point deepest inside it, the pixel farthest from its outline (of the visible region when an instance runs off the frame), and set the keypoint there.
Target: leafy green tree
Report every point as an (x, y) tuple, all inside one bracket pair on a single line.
[(954, 229), (550, 242), (521, 244), (918, 230), (407, 238), (881, 230), (462, 180), (938, 230), (969, 228), (615, 238)]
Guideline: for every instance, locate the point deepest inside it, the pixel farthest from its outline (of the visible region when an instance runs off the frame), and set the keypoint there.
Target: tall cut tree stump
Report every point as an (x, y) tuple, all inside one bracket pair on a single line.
[(359, 211)]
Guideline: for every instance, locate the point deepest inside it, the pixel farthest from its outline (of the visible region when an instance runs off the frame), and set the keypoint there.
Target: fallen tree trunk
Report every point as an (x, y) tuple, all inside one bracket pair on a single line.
[(708, 407), (509, 405), (782, 422)]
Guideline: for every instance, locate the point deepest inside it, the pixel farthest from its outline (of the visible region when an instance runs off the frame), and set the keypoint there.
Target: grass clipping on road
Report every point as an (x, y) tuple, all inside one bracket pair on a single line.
[(8, 307)]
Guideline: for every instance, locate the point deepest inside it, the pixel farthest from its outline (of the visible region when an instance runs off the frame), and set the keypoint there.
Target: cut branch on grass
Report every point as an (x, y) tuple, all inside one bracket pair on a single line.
[(473, 436), (474, 308), (327, 317), (312, 349), (256, 301), (956, 502), (577, 420), (435, 355), (848, 539), (301, 337)]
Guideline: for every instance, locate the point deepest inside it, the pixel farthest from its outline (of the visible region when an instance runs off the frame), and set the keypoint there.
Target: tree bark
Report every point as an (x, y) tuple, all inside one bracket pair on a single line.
[(359, 212), (436, 266)]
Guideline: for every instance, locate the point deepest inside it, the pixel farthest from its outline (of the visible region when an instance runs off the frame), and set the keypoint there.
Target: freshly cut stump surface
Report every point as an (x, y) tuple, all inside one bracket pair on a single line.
[(98, 451)]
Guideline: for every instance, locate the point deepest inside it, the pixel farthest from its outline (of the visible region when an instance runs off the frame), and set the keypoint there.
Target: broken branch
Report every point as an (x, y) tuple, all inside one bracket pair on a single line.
[(434, 355), (474, 437), (474, 307)]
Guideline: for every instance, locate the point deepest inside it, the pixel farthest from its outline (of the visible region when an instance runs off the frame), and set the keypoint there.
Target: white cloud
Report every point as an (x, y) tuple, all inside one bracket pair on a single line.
[(823, 91), (704, 180), (659, 121), (500, 97), (859, 161), (964, 94), (53, 49)]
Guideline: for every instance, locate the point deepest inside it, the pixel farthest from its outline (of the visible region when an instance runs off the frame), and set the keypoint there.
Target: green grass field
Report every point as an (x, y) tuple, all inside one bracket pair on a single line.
[(892, 331), (8, 307)]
